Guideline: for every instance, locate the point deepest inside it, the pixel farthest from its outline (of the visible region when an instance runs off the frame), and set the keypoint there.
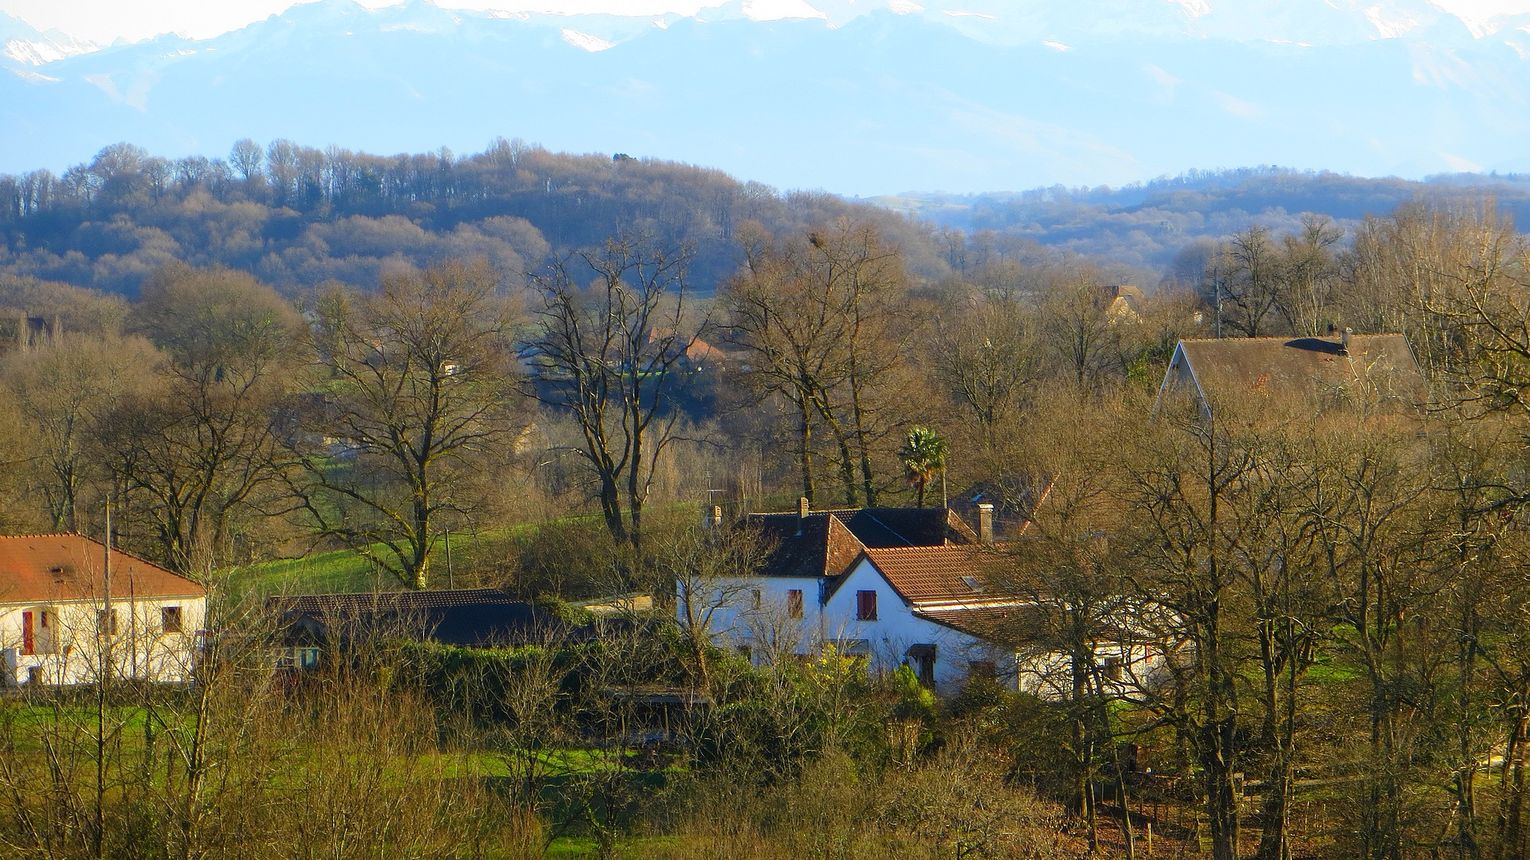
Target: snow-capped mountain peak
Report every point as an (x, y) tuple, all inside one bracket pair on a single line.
[(23, 45)]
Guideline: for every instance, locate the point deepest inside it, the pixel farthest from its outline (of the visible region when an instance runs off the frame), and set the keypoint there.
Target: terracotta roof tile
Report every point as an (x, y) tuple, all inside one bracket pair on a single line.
[(48, 567), (937, 573), (1014, 623)]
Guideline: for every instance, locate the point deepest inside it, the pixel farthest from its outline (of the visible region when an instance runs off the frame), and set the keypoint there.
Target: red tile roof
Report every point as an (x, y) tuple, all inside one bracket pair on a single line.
[(937, 573), (69, 567), (1013, 623)]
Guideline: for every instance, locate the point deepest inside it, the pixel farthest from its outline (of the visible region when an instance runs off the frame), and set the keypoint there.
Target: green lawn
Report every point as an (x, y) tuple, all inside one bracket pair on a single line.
[(340, 570), (346, 570)]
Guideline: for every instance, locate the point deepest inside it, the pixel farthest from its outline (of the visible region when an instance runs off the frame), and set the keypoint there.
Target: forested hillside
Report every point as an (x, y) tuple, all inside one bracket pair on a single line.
[(1146, 225), (295, 216), (556, 360)]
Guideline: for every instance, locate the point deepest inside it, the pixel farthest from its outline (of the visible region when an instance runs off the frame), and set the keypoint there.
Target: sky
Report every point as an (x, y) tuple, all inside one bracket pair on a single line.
[(105, 21)]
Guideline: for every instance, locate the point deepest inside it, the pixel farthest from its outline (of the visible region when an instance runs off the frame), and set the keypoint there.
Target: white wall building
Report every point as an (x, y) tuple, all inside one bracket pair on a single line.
[(895, 586), (63, 622)]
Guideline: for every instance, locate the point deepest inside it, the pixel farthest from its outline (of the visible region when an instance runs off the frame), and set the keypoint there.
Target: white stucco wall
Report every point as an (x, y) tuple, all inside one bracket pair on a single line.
[(1125, 666), (764, 627), (896, 628), (1179, 380), (68, 650)]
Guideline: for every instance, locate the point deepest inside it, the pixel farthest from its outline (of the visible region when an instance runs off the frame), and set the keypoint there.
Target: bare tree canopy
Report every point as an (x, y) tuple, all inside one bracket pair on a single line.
[(419, 389), (613, 335)]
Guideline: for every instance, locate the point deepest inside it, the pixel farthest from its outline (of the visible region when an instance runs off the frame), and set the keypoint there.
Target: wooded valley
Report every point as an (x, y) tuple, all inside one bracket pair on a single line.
[(563, 363)]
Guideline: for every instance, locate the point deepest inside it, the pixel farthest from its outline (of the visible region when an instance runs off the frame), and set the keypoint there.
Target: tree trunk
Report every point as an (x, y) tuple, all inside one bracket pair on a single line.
[(1278, 729), (1083, 753), (805, 451), (1510, 827)]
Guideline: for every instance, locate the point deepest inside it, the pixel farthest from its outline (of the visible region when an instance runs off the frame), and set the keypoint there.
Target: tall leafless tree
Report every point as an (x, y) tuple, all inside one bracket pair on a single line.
[(612, 354), (420, 390)]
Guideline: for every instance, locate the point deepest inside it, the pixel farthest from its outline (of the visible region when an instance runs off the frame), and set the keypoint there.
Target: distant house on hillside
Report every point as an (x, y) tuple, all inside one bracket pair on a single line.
[(891, 585), (1013, 500), (1122, 302), (63, 622), (312, 626), (1343, 369)]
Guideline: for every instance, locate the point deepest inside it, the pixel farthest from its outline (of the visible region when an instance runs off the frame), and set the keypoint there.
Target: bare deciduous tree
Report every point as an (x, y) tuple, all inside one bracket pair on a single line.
[(421, 388), (613, 356), (198, 444)]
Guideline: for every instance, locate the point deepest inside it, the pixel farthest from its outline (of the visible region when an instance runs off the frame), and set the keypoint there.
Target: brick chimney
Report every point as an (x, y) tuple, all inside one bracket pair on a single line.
[(985, 522)]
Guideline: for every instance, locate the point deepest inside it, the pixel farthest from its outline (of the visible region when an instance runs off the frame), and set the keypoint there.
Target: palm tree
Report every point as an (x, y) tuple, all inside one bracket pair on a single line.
[(923, 456)]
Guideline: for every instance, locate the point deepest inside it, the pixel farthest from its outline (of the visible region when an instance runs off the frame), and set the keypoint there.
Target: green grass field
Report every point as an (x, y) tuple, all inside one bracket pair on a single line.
[(346, 570)]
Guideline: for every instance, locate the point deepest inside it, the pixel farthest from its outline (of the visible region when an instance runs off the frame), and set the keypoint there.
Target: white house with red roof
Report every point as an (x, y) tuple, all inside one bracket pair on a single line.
[(71, 612), (897, 586)]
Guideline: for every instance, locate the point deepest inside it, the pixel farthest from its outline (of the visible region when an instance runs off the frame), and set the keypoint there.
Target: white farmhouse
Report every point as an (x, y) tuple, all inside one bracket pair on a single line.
[(63, 620), (895, 586)]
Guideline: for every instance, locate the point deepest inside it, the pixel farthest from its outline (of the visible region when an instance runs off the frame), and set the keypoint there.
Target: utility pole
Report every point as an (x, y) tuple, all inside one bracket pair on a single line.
[(103, 651)]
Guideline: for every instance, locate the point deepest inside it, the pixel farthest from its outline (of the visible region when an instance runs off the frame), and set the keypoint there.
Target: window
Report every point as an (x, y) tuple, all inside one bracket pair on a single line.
[(858, 649), (106, 622), (794, 603), (866, 605), (308, 658), (170, 619), (755, 598), (1113, 668), (984, 669), (42, 619)]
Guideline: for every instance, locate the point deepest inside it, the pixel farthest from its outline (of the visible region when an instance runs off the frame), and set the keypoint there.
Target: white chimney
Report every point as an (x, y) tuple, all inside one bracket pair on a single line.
[(985, 522), (802, 512)]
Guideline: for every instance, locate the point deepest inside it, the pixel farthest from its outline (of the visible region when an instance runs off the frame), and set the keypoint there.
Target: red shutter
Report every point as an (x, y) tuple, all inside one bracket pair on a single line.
[(28, 639), (866, 605)]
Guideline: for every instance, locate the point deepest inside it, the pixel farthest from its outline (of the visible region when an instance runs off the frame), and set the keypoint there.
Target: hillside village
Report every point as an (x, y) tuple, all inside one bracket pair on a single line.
[(778, 526), (764, 430)]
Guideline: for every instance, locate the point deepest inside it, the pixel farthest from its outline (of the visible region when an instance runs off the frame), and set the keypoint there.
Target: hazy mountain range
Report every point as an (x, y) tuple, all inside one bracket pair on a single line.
[(987, 96)]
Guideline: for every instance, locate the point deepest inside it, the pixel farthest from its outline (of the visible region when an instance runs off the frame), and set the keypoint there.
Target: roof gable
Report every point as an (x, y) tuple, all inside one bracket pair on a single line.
[(825, 543)]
